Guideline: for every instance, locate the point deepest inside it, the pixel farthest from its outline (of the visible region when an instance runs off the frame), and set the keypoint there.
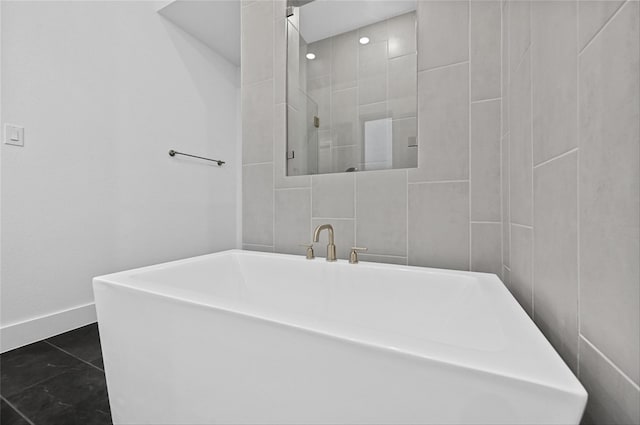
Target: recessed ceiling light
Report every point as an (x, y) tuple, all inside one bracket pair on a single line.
[(364, 40), (311, 56)]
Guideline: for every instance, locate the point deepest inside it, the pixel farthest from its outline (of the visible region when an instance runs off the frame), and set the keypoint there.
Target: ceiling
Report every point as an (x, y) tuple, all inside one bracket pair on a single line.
[(320, 19), (214, 22)]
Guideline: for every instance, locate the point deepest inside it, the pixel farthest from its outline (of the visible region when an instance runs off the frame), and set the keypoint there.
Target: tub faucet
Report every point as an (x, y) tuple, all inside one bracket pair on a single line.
[(331, 248)]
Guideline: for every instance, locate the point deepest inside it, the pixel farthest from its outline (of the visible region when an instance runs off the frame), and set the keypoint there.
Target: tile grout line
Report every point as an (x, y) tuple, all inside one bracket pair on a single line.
[(257, 163), (501, 143), (508, 136), (526, 226), (611, 363), (291, 188), (311, 229), (569, 152), (437, 68), (533, 238), (75, 357), (469, 18), (578, 180), (259, 245), (592, 39), (440, 181), (3, 398), (274, 172), (407, 215), (355, 210), (485, 100)]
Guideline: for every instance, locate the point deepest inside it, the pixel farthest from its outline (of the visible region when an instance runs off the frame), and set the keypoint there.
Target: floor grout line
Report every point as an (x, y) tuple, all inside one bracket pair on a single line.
[(75, 357), (16, 410)]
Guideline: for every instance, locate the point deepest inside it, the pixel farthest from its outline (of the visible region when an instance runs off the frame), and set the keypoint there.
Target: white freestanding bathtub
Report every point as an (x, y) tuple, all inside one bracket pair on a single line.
[(246, 337)]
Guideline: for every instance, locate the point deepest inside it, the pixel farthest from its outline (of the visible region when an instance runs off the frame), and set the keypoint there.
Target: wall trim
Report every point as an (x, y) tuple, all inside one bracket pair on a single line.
[(32, 330)]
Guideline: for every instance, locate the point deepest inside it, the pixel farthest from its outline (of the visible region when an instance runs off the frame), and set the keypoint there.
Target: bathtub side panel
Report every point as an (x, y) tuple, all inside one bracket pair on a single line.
[(170, 362)]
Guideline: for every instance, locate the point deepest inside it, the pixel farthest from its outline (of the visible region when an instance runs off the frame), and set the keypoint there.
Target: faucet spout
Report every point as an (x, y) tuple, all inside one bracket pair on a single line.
[(331, 247)]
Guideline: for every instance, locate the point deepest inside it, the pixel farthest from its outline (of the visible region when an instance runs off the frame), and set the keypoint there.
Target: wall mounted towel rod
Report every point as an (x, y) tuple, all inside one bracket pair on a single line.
[(174, 153)]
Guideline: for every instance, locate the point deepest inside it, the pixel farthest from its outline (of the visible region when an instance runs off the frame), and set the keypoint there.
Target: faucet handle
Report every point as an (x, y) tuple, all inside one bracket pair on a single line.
[(310, 254), (353, 257)]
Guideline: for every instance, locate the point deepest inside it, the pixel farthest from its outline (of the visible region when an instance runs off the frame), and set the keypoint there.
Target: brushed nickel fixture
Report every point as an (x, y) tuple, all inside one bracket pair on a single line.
[(310, 254), (331, 247), (353, 256)]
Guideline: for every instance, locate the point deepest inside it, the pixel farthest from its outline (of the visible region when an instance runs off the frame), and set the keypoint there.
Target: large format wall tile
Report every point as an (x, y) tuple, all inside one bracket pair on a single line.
[(594, 14), (554, 84), (610, 191), (405, 150), (292, 220), (381, 212), (485, 161), (521, 268), (257, 109), (257, 42), (321, 65), (442, 23), (333, 195), (402, 35), (485, 248), (257, 204), (402, 87), (439, 225), (519, 31), (279, 149), (485, 41), (555, 256), (520, 163), (505, 68), (613, 399), (344, 116), (443, 124), (344, 72), (506, 216), (279, 60)]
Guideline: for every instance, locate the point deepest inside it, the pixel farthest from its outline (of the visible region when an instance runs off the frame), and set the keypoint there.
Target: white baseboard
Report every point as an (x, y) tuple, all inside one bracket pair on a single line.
[(22, 333)]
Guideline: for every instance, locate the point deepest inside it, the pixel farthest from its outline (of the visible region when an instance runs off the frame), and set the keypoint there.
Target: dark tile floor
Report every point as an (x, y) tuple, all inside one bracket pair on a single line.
[(59, 380)]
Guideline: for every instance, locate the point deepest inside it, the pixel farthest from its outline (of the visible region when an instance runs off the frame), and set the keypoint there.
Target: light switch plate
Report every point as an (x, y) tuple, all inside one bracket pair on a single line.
[(13, 135)]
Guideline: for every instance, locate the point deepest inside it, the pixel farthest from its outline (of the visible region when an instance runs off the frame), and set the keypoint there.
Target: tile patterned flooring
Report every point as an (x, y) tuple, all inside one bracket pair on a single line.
[(59, 380)]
